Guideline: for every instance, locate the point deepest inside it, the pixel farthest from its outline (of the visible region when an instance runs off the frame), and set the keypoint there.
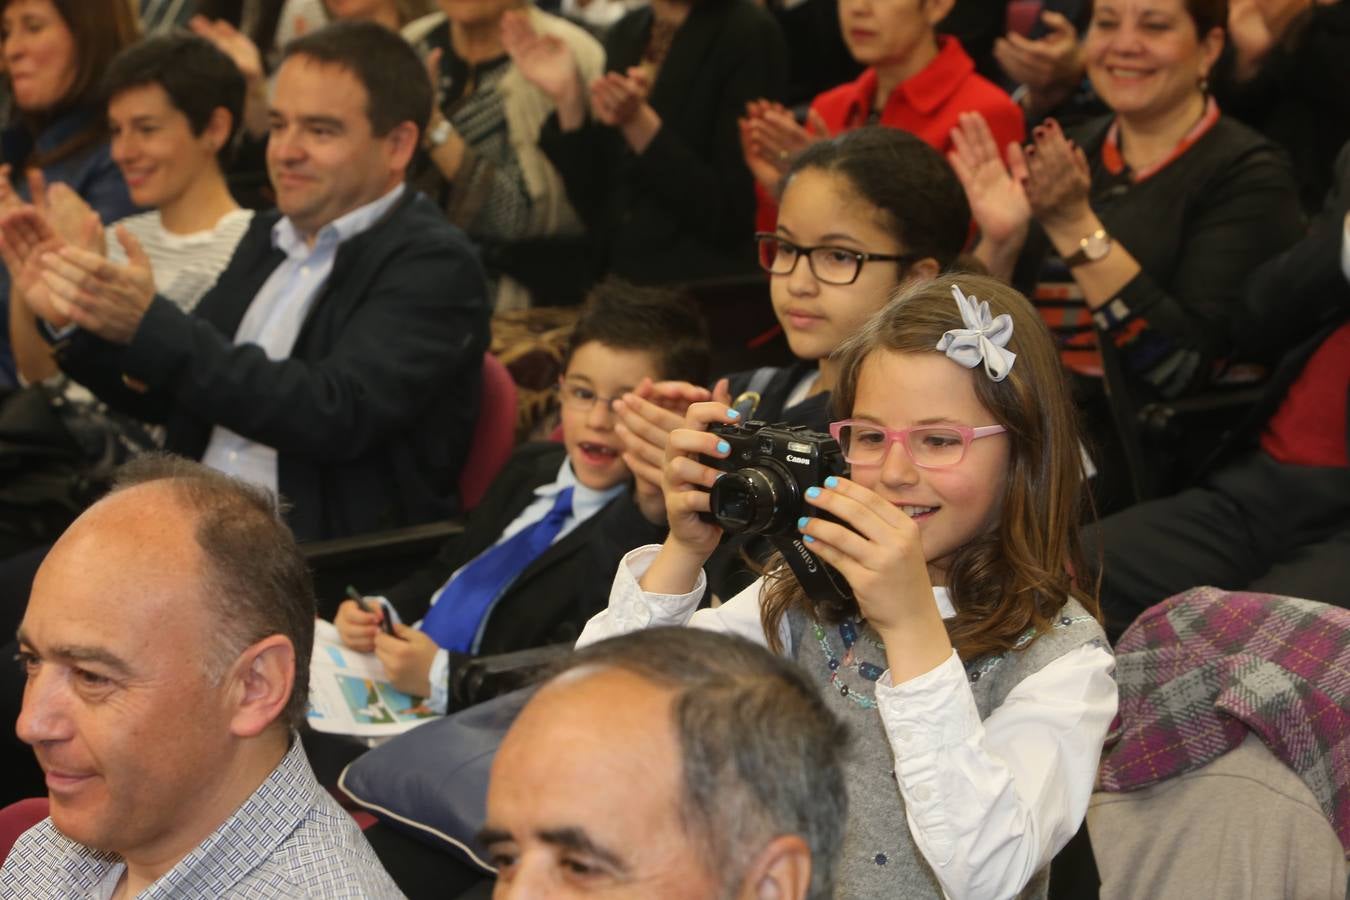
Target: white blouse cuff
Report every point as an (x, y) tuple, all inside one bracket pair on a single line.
[(633, 608)]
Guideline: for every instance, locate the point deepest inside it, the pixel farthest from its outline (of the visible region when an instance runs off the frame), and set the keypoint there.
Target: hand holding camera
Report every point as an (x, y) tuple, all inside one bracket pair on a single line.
[(685, 481), (877, 548), (770, 472)]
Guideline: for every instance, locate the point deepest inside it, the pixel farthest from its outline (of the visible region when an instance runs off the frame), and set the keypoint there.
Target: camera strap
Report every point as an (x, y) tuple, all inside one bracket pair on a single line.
[(821, 582)]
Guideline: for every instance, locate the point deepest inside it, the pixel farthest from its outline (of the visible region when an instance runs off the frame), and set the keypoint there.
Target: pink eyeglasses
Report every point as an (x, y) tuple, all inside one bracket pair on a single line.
[(929, 446)]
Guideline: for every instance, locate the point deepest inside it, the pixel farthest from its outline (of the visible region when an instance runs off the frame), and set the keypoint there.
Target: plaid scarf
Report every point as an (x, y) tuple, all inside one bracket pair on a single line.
[(1201, 669)]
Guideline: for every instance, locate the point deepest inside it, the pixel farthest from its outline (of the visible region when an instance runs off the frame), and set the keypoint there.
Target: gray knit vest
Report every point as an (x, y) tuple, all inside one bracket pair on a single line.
[(880, 859)]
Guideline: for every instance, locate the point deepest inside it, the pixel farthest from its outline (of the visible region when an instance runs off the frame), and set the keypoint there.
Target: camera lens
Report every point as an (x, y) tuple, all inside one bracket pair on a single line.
[(753, 500)]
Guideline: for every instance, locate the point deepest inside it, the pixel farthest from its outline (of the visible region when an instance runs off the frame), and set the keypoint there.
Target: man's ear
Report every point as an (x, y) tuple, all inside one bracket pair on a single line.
[(262, 679), (402, 140), (780, 871)]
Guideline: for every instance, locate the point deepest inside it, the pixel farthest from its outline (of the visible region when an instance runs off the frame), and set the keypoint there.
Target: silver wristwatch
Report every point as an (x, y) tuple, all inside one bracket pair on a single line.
[(439, 134)]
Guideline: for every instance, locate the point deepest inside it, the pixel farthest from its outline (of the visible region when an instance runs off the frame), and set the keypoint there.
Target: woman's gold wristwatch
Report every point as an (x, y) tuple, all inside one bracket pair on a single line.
[(1090, 249)]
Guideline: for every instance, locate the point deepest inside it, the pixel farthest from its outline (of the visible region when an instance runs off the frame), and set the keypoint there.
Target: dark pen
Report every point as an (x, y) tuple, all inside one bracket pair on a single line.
[(385, 625)]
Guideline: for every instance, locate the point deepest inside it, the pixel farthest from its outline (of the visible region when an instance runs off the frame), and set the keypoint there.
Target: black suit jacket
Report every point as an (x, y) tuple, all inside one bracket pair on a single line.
[(685, 208), (372, 413), (553, 598)]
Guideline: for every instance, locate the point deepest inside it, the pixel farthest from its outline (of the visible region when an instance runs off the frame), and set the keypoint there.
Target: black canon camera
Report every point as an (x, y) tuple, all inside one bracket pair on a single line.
[(763, 493)]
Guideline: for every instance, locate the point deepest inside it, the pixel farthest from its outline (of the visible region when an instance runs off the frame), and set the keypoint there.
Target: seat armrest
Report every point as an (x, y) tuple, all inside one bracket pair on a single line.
[(373, 561), (413, 540)]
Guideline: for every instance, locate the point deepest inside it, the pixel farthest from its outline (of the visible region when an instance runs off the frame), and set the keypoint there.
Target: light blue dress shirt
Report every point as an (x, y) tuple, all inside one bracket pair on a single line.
[(274, 319)]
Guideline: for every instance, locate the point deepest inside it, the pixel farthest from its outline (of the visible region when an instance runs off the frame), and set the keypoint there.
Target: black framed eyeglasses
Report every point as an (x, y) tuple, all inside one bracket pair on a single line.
[(831, 265)]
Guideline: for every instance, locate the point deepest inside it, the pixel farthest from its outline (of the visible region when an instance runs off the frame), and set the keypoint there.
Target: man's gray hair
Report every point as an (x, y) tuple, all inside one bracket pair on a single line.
[(256, 582), (761, 753)]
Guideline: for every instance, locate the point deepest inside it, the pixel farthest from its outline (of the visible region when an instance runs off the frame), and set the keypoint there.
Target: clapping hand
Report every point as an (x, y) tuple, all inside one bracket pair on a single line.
[(1058, 177), (544, 59), (1050, 66), (72, 218), (771, 138), (996, 193), (9, 199), (646, 417), (102, 297), (25, 237), (233, 43), (616, 98)]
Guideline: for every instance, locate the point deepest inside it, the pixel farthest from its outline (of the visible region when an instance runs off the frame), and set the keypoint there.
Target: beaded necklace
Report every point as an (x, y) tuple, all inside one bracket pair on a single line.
[(848, 633)]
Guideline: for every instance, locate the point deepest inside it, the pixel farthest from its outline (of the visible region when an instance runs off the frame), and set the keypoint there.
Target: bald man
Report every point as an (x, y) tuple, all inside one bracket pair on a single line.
[(166, 646)]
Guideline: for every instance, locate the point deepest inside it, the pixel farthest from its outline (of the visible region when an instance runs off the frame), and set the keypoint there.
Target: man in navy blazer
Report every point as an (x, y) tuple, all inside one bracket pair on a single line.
[(338, 357)]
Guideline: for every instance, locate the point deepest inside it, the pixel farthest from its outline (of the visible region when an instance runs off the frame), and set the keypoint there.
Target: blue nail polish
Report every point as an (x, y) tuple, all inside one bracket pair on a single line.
[(813, 492), (803, 521), (831, 482), (733, 414), (723, 447), (808, 539)]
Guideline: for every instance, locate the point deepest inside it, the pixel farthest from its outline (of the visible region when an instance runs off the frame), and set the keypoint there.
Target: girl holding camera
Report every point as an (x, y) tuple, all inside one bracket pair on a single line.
[(870, 209), (970, 663)]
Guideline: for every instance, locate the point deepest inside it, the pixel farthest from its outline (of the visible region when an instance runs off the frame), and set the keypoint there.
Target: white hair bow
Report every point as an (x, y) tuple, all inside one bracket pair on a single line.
[(984, 339)]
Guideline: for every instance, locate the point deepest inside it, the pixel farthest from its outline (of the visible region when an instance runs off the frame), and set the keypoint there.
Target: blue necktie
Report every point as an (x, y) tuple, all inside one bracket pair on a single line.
[(460, 606)]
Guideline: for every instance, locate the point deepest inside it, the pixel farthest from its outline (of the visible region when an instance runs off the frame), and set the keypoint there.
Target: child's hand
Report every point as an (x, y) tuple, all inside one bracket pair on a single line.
[(647, 415), (356, 627), (879, 551), (407, 658), (686, 481)]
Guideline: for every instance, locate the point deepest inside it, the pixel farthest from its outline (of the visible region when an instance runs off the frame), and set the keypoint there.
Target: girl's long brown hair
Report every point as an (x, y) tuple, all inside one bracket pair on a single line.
[(1020, 574)]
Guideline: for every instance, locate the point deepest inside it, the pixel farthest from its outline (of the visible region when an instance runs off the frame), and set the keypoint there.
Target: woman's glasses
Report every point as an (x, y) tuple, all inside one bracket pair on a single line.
[(929, 446), (831, 265)]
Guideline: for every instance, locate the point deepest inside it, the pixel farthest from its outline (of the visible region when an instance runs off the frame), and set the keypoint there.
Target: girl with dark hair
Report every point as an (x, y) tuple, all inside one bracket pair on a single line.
[(968, 661), (1148, 221), (55, 53), (869, 210)]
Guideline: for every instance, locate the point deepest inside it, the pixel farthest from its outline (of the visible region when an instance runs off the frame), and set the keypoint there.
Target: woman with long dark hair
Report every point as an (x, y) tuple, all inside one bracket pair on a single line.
[(55, 52)]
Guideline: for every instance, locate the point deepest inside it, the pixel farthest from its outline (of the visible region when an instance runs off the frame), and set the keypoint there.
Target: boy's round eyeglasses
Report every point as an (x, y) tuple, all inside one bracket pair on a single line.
[(581, 398), (928, 446), (831, 265)]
